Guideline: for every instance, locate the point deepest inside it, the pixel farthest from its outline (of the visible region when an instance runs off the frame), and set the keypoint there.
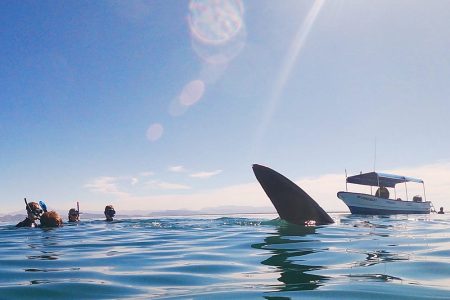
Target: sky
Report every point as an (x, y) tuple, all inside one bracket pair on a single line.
[(164, 105)]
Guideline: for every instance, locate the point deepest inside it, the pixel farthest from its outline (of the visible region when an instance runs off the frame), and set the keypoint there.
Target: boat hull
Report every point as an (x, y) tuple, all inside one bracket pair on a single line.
[(359, 203)]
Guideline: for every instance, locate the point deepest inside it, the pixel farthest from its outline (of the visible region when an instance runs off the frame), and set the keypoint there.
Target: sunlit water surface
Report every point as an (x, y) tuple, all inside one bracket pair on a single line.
[(359, 257)]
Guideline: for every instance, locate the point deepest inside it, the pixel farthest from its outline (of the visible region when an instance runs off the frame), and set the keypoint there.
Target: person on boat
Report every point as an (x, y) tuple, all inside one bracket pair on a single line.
[(109, 213), (417, 198), (74, 215), (51, 219), (33, 213), (441, 211), (382, 192)]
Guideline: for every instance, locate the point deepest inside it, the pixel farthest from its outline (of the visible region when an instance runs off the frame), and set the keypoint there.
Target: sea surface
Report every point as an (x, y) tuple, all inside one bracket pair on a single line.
[(232, 257)]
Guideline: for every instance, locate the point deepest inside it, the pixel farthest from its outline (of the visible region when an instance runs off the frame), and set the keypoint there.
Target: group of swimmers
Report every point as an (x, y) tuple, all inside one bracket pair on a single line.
[(36, 211)]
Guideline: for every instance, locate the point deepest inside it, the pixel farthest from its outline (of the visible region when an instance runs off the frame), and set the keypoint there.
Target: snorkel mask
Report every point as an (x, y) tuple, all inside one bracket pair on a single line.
[(74, 215), (37, 212), (110, 212), (35, 209)]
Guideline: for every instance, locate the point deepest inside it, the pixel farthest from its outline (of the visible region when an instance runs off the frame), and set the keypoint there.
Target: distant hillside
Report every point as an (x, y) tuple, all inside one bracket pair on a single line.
[(12, 218)]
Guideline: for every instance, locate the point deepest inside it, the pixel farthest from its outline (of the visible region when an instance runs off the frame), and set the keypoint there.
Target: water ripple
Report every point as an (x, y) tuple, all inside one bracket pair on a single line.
[(401, 257)]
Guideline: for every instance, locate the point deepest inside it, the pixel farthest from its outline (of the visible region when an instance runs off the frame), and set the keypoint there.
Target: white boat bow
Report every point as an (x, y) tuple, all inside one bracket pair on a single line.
[(359, 203)]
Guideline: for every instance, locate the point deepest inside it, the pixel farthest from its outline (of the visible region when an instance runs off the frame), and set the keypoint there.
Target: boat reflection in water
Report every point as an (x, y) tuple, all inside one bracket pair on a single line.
[(287, 248)]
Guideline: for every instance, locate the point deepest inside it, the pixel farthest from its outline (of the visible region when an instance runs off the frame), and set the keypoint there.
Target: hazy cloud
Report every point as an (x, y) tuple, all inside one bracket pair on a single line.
[(177, 169), (106, 185), (162, 185), (146, 174), (205, 174)]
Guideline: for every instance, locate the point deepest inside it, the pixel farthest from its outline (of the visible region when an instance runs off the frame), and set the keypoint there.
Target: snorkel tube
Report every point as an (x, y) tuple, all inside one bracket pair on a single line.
[(26, 204)]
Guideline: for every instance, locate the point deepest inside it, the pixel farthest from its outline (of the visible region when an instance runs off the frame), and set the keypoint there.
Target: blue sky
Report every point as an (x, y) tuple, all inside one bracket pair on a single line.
[(166, 104)]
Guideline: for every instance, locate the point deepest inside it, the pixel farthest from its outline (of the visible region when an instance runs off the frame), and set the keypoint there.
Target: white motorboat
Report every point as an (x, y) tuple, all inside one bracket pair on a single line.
[(380, 202)]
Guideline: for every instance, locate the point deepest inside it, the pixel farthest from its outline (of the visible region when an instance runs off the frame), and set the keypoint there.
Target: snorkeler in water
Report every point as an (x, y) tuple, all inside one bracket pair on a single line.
[(34, 212), (51, 219), (74, 214), (109, 212), (441, 211)]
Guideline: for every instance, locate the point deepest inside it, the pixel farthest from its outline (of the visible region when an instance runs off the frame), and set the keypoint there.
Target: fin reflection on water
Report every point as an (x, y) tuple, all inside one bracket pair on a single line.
[(285, 252)]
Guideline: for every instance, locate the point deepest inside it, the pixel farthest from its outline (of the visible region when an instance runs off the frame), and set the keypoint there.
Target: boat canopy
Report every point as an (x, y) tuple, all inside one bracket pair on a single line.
[(380, 179)]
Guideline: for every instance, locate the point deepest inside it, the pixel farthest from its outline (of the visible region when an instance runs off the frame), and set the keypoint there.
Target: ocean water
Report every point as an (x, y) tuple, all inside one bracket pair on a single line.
[(234, 257)]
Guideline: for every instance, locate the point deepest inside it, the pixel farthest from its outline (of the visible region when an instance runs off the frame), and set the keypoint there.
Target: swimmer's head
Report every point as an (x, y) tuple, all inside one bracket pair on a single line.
[(74, 215), (33, 210), (109, 212)]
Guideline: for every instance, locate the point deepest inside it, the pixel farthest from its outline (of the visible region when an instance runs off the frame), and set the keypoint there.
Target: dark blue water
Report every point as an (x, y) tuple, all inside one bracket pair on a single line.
[(359, 257)]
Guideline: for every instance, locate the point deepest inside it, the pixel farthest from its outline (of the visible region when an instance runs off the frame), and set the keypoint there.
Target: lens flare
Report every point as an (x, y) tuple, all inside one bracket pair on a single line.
[(220, 55), (154, 132), (215, 21), (192, 92), (217, 29)]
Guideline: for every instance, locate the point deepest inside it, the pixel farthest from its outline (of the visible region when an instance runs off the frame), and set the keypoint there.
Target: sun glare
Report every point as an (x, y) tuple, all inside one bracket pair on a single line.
[(289, 62)]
